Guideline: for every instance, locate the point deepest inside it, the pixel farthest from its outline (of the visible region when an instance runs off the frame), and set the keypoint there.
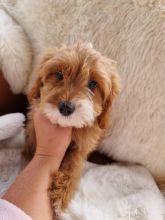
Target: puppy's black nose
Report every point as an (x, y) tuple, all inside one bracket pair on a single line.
[(66, 108)]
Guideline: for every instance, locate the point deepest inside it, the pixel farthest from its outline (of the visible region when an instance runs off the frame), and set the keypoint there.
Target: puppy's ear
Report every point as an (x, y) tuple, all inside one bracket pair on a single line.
[(35, 91), (104, 118)]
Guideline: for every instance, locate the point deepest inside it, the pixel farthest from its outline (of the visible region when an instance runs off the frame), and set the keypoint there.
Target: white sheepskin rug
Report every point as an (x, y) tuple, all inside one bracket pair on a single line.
[(11, 141), (110, 192), (116, 192)]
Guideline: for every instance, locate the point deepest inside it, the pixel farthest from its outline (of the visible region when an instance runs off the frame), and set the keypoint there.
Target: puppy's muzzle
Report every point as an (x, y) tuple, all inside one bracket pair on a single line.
[(66, 108)]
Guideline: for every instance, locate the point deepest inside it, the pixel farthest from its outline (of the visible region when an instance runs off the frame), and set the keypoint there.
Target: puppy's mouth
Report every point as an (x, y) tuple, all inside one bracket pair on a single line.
[(78, 114)]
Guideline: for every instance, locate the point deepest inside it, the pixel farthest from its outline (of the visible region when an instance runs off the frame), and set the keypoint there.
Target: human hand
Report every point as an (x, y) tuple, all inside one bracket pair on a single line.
[(29, 191), (52, 140)]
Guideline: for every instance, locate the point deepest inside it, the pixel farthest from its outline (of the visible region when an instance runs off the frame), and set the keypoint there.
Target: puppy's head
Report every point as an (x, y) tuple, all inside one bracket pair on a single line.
[(76, 86)]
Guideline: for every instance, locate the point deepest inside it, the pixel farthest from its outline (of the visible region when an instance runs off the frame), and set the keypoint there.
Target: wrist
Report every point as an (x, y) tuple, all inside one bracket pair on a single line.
[(50, 161)]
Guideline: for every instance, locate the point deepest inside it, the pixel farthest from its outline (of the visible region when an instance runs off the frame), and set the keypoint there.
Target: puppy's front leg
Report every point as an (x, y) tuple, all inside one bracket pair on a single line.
[(65, 181)]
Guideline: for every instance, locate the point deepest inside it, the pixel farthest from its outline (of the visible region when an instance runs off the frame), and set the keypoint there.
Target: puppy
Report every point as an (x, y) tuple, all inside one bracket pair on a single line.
[(75, 87)]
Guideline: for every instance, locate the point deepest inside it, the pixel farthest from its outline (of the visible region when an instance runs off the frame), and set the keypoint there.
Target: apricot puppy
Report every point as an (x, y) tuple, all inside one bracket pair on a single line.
[(75, 87)]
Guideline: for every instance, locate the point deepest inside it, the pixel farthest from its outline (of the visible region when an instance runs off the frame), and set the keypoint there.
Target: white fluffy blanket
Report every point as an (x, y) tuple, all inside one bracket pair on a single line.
[(112, 192)]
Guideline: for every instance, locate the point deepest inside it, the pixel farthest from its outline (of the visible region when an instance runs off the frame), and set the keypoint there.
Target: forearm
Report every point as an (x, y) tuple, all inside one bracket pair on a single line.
[(30, 188)]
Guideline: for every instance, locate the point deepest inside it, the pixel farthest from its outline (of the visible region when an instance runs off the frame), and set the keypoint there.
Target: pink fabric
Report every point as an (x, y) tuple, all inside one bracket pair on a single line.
[(8, 211)]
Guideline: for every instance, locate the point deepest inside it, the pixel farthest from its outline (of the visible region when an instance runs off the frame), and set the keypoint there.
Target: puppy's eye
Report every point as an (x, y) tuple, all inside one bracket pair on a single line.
[(92, 85), (59, 75)]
